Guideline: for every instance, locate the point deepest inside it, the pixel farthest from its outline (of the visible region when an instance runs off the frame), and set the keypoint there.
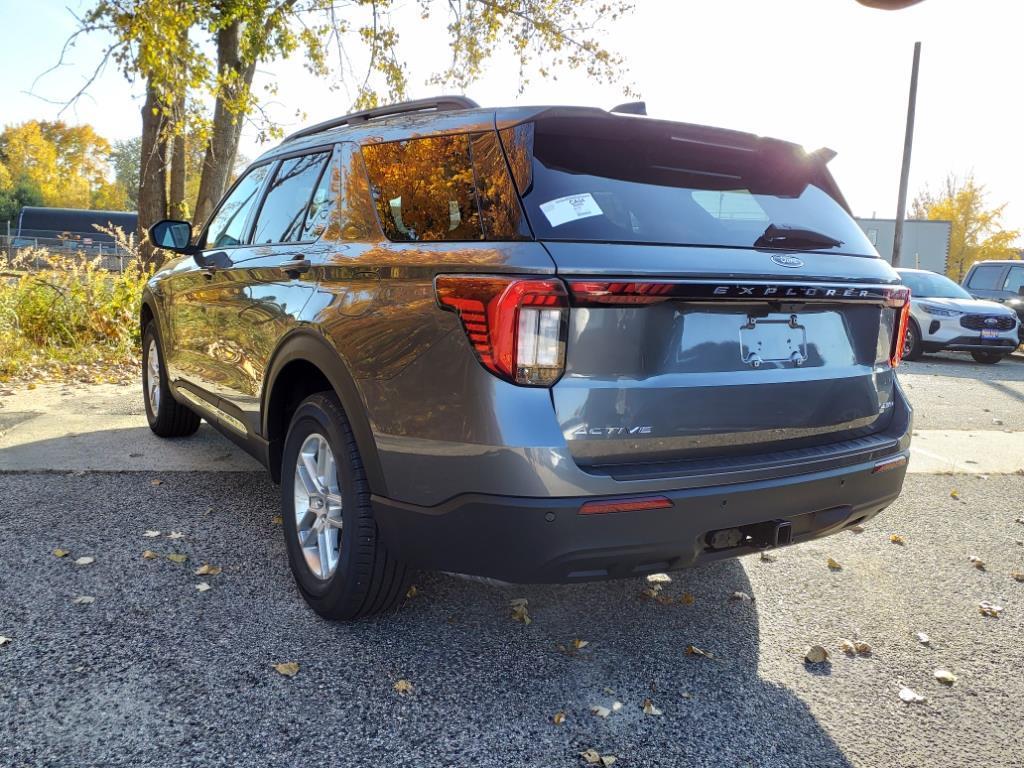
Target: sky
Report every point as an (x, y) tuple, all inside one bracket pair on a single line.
[(819, 72)]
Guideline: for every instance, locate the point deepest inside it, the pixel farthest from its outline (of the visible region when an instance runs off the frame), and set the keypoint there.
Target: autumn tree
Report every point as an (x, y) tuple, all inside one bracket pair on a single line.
[(168, 43), (977, 230)]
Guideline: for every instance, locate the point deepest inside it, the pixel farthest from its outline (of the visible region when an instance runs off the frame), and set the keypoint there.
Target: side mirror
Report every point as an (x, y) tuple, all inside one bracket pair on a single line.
[(172, 235)]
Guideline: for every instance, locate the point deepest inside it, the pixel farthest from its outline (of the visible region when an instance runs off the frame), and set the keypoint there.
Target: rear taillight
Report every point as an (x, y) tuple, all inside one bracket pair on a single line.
[(517, 326), (900, 300)]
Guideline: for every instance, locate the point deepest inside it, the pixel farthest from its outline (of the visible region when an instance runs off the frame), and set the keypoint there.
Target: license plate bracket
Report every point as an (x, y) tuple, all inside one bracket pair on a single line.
[(773, 340)]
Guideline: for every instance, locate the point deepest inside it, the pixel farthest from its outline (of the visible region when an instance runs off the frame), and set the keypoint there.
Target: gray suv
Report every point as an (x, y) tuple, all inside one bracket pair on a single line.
[(1001, 281), (539, 344)]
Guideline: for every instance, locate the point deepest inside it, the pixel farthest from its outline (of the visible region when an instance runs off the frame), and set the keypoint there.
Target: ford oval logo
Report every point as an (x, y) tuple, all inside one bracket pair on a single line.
[(991, 321), (787, 261)]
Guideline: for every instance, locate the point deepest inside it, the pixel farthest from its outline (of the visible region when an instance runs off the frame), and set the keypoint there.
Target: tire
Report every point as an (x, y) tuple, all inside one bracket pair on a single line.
[(166, 416), (913, 347), (364, 578), (991, 358)]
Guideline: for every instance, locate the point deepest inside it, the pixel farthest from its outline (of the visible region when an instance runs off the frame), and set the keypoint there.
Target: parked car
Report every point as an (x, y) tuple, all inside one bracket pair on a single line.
[(546, 344), (944, 317), (1001, 281)]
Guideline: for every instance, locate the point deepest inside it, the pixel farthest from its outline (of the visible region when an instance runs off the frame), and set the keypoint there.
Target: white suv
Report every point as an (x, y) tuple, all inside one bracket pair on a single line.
[(943, 316)]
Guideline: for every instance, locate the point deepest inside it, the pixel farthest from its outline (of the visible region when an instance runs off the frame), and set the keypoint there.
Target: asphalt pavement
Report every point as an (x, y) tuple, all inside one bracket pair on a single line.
[(155, 672)]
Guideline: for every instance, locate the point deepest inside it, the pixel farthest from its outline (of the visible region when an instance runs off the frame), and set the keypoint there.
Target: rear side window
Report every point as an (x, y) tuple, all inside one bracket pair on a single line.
[(613, 179), (444, 188), (985, 278), (283, 215), (1014, 280), (227, 226)]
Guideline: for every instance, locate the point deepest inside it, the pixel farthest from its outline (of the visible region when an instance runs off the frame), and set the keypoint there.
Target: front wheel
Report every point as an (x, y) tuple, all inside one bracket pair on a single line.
[(341, 566), (912, 346), (166, 416), (987, 357)]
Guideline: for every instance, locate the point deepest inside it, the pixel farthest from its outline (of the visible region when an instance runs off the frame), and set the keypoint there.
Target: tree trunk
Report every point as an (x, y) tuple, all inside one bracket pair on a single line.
[(152, 171), (227, 127), (177, 207)]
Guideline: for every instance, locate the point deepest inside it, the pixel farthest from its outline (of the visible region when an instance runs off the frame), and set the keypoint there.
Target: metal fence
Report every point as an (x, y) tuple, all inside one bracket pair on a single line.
[(25, 252)]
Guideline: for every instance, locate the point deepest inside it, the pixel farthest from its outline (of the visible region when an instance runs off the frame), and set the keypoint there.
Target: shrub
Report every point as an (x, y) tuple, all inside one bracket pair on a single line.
[(70, 313)]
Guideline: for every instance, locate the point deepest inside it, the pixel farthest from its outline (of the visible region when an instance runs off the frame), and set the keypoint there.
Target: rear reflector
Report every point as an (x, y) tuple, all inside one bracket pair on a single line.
[(635, 504), (893, 463), (516, 326)]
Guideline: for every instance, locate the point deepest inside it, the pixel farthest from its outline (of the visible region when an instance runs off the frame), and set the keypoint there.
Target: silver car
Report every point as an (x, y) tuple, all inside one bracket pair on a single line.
[(943, 316)]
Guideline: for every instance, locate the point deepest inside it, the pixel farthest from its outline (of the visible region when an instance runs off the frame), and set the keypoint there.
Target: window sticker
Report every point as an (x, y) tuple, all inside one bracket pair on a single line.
[(562, 210)]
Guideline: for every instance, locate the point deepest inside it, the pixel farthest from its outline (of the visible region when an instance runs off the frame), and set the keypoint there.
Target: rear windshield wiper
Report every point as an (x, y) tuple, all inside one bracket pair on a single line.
[(793, 237)]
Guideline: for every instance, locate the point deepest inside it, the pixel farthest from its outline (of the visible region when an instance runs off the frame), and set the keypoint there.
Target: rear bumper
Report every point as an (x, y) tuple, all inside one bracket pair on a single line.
[(546, 540)]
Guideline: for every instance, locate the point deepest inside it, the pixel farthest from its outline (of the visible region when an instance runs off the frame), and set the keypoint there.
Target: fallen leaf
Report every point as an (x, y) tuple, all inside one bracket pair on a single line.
[(590, 756), (687, 599), (149, 554), (411, 592), (58, 552), (856, 529), (862, 648), (177, 557), (954, 494), (151, 534), (977, 562), (84, 600), (519, 612), (202, 586), (1017, 576), (156, 482), (945, 676), (558, 718), (989, 609), (600, 711), (847, 647), (665, 599), (4, 640), (175, 535), (402, 686), (768, 557), (277, 520), (741, 597), (659, 578), (85, 560), (617, 706), (287, 668), (833, 565), (923, 639), (577, 644), (650, 592), (815, 654), (607, 760), (910, 696), (650, 709), (208, 570), (693, 650), (897, 539)]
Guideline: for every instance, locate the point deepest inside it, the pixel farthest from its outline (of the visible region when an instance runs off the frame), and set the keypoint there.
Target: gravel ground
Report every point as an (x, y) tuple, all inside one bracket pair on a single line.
[(156, 673), (951, 391)]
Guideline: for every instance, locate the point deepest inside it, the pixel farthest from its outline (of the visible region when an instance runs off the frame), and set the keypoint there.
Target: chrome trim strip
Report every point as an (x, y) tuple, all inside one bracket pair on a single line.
[(225, 418), (584, 293)]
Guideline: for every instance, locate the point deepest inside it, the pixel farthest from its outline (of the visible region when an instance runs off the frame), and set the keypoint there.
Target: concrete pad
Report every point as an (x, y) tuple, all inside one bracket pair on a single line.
[(970, 451)]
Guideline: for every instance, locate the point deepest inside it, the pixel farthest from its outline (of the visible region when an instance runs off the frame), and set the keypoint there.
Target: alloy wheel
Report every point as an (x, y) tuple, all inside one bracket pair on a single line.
[(318, 520)]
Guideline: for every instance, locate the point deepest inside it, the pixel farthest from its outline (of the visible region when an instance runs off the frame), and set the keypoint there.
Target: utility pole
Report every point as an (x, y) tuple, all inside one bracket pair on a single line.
[(908, 144)]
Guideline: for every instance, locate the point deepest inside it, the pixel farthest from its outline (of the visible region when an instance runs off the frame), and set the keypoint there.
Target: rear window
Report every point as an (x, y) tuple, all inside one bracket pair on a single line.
[(986, 278), (647, 181)]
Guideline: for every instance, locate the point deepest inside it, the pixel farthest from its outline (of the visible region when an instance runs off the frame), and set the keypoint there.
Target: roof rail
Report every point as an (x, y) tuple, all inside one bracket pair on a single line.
[(419, 105)]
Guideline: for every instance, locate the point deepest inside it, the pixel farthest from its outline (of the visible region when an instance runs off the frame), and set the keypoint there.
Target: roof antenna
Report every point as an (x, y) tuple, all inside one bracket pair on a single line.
[(631, 108)]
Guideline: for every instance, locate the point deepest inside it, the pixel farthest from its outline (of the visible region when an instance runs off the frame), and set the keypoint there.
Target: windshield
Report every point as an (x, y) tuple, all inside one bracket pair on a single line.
[(618, 180), (929, 285)]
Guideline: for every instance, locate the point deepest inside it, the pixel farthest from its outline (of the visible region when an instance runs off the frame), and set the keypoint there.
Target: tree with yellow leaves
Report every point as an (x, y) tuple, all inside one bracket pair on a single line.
[(977, 231)]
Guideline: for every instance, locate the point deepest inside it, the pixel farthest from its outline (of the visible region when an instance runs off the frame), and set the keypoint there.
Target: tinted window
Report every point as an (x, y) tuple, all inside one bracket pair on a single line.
[(986, 278), (283, 214), (929, 285), (226, 226), (1014, 280), (324, 201), (613, 179)]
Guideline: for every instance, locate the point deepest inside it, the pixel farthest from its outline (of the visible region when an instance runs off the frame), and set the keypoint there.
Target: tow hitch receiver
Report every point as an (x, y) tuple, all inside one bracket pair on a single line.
[(771, 533)]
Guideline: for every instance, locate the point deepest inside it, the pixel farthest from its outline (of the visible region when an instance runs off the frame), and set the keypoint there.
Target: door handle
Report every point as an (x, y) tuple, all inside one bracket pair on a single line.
[(296, 267)]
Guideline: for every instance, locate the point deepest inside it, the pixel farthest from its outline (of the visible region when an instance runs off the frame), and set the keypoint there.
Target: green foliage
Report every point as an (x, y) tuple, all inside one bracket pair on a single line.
[(977, 230), (21, 193), (70, 312)]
